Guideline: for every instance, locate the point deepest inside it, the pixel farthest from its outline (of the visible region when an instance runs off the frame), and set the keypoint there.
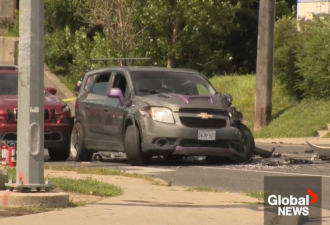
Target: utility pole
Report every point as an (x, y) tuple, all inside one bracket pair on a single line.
[(265, 61), (30, 138)]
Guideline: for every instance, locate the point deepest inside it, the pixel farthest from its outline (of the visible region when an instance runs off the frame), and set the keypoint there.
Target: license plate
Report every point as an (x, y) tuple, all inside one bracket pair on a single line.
[(208, 135)]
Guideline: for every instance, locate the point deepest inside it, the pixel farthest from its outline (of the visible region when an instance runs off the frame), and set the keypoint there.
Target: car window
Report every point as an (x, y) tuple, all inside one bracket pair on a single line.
[(121, 83), (202, 90), (100, 86), (153, 82), (89, 82), (8, 84)]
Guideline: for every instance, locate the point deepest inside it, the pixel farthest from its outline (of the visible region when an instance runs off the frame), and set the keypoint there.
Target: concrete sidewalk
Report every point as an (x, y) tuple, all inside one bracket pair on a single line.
[(143, 203)]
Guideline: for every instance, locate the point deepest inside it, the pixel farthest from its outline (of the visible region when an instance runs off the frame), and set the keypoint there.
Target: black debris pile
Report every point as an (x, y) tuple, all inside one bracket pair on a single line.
[(278, 159)]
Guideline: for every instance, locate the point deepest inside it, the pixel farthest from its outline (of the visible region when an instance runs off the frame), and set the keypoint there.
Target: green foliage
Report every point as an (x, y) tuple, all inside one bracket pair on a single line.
[(313, 61), (198, 34), (300, 57), (287, 41), (57, 52), (13, 27), (60, 14), (290, 118), (213, 37)]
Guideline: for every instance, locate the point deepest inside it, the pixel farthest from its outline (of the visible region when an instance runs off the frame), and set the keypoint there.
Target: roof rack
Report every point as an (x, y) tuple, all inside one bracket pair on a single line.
[(106, 60)]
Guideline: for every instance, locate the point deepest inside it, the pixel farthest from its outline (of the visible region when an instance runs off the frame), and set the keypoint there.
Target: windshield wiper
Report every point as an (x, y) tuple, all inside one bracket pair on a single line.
[(149, 91)]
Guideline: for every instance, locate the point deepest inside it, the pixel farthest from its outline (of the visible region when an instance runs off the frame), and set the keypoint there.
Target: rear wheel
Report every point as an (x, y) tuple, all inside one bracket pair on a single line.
[(133, 150), (59, 154), (78, 151)]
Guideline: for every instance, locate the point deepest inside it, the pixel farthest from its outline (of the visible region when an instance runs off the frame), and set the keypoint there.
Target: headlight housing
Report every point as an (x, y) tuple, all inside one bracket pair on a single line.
[(66, 108), (161, 114)]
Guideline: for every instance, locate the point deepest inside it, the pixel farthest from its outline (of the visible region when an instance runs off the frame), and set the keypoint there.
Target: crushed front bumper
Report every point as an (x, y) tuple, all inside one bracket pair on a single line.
[(162, 138)]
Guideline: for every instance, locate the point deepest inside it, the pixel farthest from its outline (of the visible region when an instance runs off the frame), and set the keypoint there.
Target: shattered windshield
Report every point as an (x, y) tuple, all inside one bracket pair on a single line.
[(154, 82), (8, 83)]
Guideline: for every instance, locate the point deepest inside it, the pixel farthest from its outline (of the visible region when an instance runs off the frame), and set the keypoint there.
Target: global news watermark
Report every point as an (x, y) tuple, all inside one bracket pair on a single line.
[(293, 198), (293, 206)]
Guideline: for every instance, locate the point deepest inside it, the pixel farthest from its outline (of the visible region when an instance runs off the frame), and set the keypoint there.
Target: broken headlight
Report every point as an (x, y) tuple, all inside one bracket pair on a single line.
[(229, 98), (161, 114)]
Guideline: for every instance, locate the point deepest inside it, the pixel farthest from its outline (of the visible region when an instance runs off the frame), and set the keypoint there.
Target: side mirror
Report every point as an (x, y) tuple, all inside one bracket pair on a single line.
[(116, 93), (53, 91)]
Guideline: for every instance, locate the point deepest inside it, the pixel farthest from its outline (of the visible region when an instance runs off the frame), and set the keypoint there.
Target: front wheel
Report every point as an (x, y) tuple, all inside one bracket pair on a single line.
[(247, 142), (78, 151), (133, 150)]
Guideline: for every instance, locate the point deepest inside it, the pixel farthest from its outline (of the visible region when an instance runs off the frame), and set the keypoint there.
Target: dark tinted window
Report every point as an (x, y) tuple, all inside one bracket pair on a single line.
[(151, 82), (121, 83), (8, 84), (101, 84)]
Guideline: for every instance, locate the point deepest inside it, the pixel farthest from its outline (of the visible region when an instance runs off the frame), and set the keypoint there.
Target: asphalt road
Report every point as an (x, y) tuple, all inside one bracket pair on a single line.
[(231, 178)]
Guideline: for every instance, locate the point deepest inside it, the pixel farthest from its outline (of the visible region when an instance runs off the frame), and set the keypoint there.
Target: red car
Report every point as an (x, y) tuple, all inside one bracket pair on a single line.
[(57, 116)]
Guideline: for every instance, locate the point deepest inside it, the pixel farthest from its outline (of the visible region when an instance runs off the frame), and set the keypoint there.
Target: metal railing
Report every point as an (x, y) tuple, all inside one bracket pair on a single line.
[(133, 60)]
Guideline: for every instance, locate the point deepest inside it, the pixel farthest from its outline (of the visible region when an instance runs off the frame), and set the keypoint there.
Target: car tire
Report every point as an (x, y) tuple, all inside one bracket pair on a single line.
[(58, 154), (133, 150), (248, 141), (78, 151)]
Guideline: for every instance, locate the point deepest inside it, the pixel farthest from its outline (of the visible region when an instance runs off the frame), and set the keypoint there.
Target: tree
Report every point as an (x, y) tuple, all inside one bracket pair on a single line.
[(116, 18), (182, 32), (60, 14)]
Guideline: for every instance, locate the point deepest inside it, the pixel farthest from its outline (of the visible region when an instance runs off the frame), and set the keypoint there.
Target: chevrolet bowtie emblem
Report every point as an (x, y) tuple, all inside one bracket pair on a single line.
[(204, 116)]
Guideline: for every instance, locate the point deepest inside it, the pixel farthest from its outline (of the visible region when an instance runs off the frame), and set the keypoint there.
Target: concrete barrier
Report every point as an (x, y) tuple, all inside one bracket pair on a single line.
[(9, 50)]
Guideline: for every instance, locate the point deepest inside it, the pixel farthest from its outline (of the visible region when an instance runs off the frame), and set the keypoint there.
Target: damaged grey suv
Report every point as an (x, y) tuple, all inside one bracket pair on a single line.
[(152, 111)]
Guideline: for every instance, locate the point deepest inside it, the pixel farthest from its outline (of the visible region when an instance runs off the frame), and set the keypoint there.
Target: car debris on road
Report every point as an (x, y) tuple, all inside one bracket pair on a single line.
[(262, 157)]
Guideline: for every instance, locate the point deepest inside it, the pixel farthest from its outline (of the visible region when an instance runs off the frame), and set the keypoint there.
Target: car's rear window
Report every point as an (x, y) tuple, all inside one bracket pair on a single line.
[(8, 83), (152, 82)]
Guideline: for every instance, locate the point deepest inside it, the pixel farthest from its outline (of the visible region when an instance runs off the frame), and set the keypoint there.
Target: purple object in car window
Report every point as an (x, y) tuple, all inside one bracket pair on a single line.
[(187, 98), (116, 93)]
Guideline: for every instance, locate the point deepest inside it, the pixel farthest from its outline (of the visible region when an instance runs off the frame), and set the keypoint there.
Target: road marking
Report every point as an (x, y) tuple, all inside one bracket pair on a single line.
[(146, 170), (68, 99), (262, 171)]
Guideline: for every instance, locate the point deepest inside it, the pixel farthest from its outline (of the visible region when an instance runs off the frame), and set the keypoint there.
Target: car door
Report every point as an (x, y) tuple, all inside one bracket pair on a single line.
[(114, 112), (94, 106)]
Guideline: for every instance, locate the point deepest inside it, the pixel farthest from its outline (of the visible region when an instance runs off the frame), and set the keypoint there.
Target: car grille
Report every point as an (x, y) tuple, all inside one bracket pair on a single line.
[(196, 122), (201, 123), (208, 111), (49, 115)]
